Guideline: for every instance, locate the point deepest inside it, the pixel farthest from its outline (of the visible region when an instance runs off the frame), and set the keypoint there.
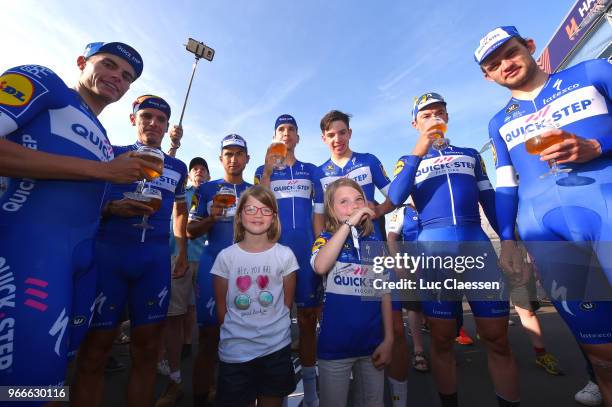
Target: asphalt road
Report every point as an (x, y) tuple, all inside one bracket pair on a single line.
[(538, 388)]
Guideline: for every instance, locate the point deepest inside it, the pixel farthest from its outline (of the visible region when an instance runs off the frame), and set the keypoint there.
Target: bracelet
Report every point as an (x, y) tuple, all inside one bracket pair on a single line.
[(348, 223)]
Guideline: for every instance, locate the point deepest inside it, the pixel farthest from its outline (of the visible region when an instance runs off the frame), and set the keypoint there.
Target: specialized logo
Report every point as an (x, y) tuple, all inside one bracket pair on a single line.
[(398, 167), (59, 328), (512, 108), (557, 85), (318, 244), (559, 293), (15, 89), (162, 295)]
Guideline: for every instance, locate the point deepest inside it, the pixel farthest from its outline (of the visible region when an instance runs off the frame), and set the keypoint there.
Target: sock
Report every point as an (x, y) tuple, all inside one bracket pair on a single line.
[(399, 392), (539, 351), (176, 376), (502, 402), (309, 379), (449, 400)]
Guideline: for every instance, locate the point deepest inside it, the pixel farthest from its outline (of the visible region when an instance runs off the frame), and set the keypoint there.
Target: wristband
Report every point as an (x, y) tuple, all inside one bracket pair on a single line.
[(348, 223)]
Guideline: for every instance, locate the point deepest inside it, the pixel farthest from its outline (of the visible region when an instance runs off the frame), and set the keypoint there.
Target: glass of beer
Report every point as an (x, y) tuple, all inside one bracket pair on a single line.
[(226, 198), (535, 144), (152, 155), (153, 200), (278, 150), (440, 142)]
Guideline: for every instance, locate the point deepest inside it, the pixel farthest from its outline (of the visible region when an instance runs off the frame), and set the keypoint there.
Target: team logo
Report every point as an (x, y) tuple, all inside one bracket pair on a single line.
[(557, 85), (587, 306), (398, 167), (512, 108), (195, 202), (318, 243), (256, 180), (15, 89)]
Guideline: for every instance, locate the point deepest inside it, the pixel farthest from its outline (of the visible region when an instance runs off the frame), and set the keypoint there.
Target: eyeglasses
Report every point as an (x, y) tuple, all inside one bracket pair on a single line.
[(252, 210)]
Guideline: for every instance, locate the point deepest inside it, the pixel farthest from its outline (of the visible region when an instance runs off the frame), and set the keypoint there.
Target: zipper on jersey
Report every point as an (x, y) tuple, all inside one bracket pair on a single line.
[(450, 193), (292, 198)]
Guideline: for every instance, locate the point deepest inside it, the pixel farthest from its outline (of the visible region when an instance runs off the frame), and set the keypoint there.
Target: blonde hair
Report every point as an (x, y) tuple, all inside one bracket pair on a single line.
[(332, 224), (266, 197)]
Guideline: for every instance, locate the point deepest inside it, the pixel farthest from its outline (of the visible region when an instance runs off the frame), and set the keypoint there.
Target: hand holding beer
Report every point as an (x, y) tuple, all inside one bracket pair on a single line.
[(439, 127), (278, 153), (224, 199), (153, 168), (536, 143), (127, 168)]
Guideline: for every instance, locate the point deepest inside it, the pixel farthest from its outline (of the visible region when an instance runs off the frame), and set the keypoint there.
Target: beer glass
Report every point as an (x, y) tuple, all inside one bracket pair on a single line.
[(440, 142), (278, 150), (535, 144), (226, 198), (153, 198), (152, 155)]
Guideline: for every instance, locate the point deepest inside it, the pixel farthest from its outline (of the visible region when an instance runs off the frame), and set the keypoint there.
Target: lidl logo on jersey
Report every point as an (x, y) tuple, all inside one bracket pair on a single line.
[(318, 243), (578, 105), (7, 324), (75, 126), (398, 167), (450, 164), (291, 188), (15, 89)]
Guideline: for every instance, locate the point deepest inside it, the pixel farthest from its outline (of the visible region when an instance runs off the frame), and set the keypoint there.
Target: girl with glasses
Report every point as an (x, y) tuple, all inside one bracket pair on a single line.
[(254, 284)]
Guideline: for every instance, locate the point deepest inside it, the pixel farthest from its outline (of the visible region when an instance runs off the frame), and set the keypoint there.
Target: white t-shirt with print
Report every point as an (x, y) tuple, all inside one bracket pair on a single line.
[(257, 322)]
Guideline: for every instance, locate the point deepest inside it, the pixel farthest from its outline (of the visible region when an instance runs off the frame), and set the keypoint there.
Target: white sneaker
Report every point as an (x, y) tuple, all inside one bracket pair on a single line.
[(163, 368), (589, 395)]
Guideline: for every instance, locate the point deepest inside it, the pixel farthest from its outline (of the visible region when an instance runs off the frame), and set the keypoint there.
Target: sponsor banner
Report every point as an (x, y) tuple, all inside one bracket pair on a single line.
[(361, 175), (291, 188), (169, 180), (448, 164)]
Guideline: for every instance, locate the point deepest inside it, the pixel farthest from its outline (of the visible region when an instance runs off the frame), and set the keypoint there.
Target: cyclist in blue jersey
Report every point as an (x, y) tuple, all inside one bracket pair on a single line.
[(133, 271), (293, 188), (58, 159), (364, 168), (215, 217), (553, 214), (446, 187)]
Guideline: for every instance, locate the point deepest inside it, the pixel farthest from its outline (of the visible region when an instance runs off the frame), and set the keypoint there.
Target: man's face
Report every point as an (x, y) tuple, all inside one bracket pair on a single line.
[(337, 137), (425, 117), (151, 125), (198, 174), (106, 75), (234, 159), (512, 65), (287, 133)]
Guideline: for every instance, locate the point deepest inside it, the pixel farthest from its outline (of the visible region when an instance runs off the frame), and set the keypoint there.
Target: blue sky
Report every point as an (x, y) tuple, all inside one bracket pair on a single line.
[(369, 59)]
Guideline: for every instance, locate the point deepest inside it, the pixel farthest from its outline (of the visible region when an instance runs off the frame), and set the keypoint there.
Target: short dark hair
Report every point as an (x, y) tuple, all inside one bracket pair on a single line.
[(332, 116)]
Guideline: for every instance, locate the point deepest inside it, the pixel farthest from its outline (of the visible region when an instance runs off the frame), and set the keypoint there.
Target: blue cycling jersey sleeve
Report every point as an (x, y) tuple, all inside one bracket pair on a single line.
[(25, 91), (599, 72), (402, 184), (379, 175)]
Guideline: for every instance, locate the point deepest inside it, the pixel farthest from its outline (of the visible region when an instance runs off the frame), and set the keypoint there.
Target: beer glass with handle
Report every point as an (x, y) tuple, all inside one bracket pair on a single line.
[(535, 144), (155, 156)]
